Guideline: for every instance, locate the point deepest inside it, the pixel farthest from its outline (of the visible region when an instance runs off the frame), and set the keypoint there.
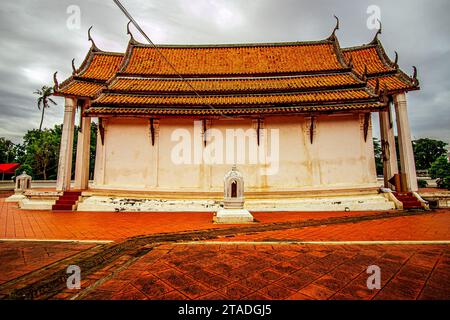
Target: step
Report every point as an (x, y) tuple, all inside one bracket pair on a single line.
[(405, 197), (69, 198), (61, 207), (412, 204), (71, 194), (65, 202)]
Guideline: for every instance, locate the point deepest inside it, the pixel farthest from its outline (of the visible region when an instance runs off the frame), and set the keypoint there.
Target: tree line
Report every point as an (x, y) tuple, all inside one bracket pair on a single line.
[(430, 155), (39, 152)]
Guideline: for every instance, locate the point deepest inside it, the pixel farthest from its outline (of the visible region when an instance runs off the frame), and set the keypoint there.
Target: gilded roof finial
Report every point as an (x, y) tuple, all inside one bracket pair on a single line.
[(74, 70), (416, 80), (129, 32), (95, 48), (333, 34), (380, 31), (128, 28), (55, 80), (337, 24)]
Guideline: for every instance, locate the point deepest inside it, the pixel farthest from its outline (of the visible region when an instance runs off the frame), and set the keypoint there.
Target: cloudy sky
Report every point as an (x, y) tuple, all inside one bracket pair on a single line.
[(39, 38)]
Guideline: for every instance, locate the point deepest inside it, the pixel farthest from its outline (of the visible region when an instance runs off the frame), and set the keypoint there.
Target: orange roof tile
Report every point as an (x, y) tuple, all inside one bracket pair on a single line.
[(233, 85), (82, 89), (298, 98), (393, 83), (367, 56), (233, 60), (102, 67), (235, 76)]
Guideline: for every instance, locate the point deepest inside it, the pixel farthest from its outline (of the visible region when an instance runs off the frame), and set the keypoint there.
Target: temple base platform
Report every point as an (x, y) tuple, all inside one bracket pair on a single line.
[(125, 201)]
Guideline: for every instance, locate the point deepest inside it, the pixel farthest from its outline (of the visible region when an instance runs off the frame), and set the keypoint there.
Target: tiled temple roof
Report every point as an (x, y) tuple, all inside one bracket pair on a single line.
[(244, 79), (257, 59), (372, 62), (352, 95), (233, 85), (97, 68)]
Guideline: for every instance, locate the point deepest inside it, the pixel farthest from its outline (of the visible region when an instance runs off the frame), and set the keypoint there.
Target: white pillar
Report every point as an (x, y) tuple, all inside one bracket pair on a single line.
[(407, 163), (98, 167), (65, 151), (83, 153), (390, 166), (155, 155)]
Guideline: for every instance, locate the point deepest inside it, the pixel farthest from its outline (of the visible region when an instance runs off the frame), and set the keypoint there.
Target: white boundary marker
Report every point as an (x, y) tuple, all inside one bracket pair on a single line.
[(324, 243), (57, 240)]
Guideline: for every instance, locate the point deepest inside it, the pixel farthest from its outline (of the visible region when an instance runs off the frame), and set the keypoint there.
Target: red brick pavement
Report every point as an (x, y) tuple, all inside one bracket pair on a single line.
[(22, 224), (430, 227), (295, 272), (227, 271), (20, 258)]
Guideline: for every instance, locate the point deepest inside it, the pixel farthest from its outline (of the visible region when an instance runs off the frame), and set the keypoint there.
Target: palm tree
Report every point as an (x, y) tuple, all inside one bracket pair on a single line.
[(43, 101)]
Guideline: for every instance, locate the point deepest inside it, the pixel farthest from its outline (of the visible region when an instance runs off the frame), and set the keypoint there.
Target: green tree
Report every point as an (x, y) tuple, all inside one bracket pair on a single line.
[(440, 170), (44, 100), (40, 152), (378, 156), (7, 151), (93, 149), (427, 151)]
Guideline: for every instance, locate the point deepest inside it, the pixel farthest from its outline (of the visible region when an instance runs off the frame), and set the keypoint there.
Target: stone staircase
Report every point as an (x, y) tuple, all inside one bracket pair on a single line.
[(67, 202), (409, 200)]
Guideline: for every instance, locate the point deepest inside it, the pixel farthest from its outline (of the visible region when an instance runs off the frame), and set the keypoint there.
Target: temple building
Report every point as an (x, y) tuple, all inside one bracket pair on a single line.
[(304, 108)]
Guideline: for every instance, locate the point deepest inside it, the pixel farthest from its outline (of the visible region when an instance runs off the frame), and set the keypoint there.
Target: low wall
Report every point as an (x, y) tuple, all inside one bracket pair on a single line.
[(35, 184)]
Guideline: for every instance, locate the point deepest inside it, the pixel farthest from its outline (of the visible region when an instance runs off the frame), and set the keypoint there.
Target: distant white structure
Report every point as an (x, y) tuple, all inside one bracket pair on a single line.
[(233, 211), (23, 183)]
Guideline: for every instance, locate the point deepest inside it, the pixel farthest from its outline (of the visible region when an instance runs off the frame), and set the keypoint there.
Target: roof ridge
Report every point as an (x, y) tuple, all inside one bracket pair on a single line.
[(233, 45)]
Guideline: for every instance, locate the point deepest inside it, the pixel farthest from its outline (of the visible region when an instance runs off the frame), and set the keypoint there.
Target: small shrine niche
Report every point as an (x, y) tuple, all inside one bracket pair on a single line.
[(233, 211), (23, 183), (234, 189)]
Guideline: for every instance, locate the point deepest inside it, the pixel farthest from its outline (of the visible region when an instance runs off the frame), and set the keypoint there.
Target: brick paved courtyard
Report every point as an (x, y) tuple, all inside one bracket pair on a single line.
[(295, 256)]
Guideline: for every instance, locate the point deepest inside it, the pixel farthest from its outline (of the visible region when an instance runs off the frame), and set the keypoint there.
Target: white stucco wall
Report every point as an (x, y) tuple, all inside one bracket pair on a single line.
[(338, 158)]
